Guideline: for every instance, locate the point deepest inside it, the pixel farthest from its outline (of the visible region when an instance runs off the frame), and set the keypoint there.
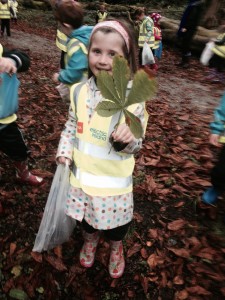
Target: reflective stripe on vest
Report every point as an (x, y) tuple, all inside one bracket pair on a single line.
[(61, 40), (219, 50), (73, 46), (143, 34), (99, 171), (157, 42), (4, 11)]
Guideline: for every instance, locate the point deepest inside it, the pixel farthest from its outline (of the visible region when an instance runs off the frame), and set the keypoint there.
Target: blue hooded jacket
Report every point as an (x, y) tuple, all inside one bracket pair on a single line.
[(78, 62), (217, 126)]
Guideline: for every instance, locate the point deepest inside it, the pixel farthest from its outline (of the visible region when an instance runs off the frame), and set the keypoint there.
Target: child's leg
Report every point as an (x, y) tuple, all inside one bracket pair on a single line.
[(91, 238), (116, 261), (2, 26), (13, 145), (7, 24), (218, 180), (218, 172)]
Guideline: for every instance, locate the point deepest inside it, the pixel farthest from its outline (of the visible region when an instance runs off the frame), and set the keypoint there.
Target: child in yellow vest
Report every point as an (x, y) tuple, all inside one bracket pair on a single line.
[(100, 196), (5, 16), (101, 14), (69, 14), (11, 139), (146, 31)]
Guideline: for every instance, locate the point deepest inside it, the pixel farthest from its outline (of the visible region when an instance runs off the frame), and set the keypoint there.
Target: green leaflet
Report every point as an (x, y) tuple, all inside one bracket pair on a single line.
[(107, 108), (113, 88), (107, 87), (143, 88), (134, 123), (121, 74)]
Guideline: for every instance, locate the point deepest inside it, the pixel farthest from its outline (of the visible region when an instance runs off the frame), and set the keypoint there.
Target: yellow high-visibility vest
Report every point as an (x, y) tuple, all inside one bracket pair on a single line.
[(143, 34), (101, 16), (5, 11), (61, 40), (98, 171)]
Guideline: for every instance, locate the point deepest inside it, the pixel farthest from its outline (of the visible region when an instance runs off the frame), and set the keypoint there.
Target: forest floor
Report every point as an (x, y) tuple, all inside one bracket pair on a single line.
[(175, 247)]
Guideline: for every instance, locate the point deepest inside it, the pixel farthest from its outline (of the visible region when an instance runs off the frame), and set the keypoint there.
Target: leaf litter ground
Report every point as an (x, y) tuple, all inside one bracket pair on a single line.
[(175, 247)]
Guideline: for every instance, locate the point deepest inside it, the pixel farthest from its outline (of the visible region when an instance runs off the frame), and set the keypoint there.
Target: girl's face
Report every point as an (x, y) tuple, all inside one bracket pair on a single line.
[(104, 46)]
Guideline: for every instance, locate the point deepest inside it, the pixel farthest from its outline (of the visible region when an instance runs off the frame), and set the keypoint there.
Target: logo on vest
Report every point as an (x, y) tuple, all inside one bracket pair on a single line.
[(80, 127), (98, 134)]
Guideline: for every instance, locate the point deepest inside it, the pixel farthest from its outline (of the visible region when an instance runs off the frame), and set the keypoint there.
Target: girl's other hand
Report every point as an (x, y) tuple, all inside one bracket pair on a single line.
[(63, 160), (214, 139), (123, 134)]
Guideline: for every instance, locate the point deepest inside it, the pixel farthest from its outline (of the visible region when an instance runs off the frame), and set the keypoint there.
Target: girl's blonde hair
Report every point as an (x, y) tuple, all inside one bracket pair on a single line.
[(130, 52)]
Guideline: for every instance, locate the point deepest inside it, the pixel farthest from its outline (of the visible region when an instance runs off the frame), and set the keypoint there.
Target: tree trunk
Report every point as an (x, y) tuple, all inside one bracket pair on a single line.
[(202, 36), (214, 14)]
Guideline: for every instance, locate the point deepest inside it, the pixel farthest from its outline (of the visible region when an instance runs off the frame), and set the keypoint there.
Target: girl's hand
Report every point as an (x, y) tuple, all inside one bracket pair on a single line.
[(63, 160), (55, 77), (7, 65), (214, 138), (123, 134)]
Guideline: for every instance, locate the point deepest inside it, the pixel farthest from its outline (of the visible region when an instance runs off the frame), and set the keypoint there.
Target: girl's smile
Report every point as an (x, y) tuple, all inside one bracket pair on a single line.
[(103, 48)]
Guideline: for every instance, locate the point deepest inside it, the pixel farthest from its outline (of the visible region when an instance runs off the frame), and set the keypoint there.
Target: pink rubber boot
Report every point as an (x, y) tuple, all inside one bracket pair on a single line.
[(87, 253), (24, 176), (116, 261)]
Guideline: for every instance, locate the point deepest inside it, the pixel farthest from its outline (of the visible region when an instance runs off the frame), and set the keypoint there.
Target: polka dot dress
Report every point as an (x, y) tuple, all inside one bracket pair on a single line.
[(99, 212)]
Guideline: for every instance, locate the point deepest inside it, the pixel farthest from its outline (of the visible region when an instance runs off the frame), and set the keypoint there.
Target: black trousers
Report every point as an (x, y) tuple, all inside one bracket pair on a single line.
[(5, 24), (12, 143), (218, 172), (115, 234)]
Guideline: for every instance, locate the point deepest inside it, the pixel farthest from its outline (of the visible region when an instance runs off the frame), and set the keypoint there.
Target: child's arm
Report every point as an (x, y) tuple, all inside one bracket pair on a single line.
[(150, 30), (21, 59), (67, 140)]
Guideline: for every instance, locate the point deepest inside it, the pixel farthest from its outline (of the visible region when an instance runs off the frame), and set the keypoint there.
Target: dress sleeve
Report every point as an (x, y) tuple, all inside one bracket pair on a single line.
[(67, 139)]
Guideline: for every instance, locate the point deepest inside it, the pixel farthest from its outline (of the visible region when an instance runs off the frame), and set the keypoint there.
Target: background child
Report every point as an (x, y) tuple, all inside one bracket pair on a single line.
[(157, 48), (101, 14), (146, 31), (11, 139), (5, 16), (187, 28), (100, 196), (69, 14), (218, 172)]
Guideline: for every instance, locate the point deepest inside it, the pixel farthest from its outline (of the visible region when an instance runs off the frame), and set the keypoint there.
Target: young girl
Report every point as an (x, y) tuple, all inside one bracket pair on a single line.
[(157, 48), (100, 196)]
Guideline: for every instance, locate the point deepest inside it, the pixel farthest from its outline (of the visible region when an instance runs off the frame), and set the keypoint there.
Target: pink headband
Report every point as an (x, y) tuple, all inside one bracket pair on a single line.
[(115, 25)]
